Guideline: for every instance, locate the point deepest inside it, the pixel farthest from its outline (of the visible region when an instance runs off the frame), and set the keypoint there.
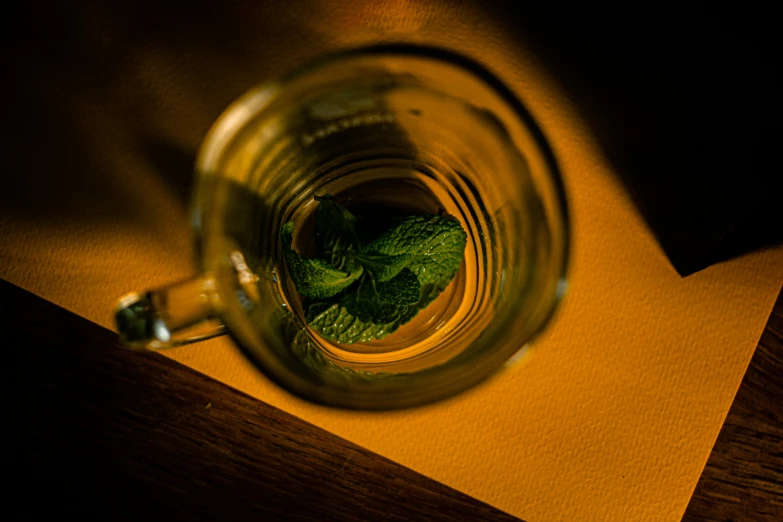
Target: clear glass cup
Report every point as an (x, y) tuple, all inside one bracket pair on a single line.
[(385, 127)]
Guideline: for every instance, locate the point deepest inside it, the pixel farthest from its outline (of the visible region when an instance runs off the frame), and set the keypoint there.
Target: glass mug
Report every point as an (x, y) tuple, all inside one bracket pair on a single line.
[(386, 127)]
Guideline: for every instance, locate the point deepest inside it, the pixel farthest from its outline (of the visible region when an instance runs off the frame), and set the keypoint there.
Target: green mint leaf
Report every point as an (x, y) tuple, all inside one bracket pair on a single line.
[(382, 302), (333, 322), (372, 311), (429, 247), (382, 266), (400, 272), (315, 278), (435, 244), (335, 233)]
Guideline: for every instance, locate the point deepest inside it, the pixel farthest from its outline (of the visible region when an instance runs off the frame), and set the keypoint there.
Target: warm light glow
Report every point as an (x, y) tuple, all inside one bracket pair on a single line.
[(617, 411)]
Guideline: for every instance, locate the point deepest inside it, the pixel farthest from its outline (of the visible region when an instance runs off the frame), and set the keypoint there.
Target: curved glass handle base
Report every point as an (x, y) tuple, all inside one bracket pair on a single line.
[(174, 315)]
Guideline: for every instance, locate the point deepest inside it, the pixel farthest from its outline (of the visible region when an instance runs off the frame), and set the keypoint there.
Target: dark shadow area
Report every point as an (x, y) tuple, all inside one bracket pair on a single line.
[(176, 163), (105, 433), (760, 229), (685, 101), (104, 100)]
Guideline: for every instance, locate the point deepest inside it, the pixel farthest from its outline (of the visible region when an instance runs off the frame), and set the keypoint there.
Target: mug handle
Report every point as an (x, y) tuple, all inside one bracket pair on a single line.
[(169, 316)]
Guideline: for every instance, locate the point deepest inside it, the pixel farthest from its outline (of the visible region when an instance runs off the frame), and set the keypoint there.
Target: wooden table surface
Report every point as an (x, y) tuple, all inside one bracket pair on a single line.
[(743, 478), (103, 433)]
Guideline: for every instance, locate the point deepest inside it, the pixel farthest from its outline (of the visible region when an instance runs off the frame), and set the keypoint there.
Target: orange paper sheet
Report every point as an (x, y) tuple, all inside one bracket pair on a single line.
[(613, 415)]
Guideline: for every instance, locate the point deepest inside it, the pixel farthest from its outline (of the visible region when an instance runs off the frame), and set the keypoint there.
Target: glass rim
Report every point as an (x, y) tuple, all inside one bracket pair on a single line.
[(236, 115)]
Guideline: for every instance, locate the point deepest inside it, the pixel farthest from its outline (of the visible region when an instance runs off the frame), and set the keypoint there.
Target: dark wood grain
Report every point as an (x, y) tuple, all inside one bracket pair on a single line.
[(743, 478), (108, 434), (102, 433)]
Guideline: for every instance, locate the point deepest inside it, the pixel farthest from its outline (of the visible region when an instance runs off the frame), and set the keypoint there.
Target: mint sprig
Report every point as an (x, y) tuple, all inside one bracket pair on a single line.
[(358, 293), (382, 302), (315, 278), (383, 266), (335, 233)]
